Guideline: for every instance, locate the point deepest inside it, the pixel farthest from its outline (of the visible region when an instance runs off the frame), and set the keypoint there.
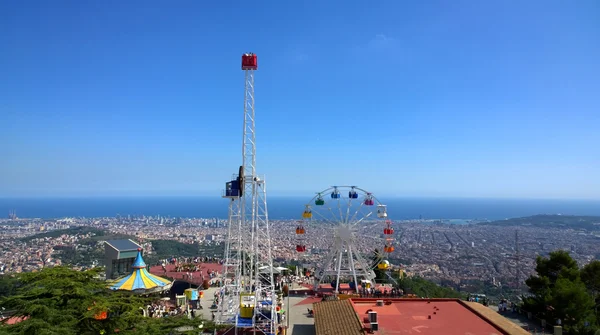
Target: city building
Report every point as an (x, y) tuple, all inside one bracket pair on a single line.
[(119, 256)]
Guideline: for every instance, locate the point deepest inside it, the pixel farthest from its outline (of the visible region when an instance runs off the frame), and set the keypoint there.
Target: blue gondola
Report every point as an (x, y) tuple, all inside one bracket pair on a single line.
[(335, 194), (232, 188)]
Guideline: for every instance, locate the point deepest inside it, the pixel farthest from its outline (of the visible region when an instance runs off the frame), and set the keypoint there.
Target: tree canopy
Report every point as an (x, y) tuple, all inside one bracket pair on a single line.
[(63, 301), (424, 288), (561, 290), (170, 248)]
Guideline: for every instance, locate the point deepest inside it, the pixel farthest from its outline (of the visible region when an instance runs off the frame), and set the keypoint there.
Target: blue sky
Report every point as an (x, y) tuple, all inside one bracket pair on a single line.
[(407, 98)]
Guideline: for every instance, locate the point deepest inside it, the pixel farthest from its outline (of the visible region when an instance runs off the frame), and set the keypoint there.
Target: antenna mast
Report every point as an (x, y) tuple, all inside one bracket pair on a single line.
[(518, 262)]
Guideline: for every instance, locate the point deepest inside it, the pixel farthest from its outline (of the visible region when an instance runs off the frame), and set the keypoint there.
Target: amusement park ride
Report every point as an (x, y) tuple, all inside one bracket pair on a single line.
[(347, 210), (248, 298)]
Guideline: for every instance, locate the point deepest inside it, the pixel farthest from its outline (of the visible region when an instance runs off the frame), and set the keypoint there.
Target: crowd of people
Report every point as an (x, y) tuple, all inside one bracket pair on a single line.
[(165, 309)]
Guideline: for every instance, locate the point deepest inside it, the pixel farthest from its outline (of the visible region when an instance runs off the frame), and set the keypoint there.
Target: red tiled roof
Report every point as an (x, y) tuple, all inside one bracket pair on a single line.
[(196, 278), (431, 317), (336, 318)]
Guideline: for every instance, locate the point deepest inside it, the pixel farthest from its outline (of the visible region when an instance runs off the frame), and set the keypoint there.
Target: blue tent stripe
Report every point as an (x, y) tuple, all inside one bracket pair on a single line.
[(120, 283), (139, 282)]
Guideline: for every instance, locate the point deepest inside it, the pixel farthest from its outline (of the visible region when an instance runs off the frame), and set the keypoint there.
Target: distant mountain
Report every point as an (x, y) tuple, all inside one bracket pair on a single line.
[(554, 221)]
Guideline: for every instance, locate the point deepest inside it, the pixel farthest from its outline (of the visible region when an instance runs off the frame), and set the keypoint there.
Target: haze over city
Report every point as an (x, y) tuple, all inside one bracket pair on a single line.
[(469, 99)]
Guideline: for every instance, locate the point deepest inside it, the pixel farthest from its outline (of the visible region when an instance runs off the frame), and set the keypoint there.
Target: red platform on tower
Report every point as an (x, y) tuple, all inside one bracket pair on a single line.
[(249, 61)]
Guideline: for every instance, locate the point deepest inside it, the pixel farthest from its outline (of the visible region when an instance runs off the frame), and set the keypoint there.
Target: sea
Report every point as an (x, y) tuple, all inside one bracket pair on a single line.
[(281, 208)]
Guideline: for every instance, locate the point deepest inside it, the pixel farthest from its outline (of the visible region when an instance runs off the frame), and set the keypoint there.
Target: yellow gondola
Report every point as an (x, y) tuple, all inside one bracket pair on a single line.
[(383, 265)]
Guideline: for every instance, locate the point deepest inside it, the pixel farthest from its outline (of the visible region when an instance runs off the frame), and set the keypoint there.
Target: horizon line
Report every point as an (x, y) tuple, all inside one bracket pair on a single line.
[(284, 195)]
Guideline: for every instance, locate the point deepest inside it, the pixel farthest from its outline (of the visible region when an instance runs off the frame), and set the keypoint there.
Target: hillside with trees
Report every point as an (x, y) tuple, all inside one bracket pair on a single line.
[(424, 288), (69, 231), (552, 221)]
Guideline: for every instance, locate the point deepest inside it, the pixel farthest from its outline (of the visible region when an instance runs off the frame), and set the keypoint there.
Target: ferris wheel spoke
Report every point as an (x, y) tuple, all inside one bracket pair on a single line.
[(364, 217), (324, 218), (357, 211), (348, 210), (335, 218), (339, 205)]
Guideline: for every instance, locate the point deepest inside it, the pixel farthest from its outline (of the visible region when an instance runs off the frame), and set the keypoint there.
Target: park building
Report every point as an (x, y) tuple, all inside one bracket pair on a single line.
[(119, 256)]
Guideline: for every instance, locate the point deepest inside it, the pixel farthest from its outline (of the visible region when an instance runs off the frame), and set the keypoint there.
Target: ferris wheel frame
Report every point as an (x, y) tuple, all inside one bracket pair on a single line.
[(344, 246)]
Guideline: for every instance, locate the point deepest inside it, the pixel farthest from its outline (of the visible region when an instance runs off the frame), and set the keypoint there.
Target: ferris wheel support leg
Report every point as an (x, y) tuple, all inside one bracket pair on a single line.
[(351, 257), (322, 271), (339, 270)]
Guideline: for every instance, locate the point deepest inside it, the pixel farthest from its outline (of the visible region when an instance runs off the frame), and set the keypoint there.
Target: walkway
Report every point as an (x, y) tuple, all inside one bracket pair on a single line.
[(522, 321)]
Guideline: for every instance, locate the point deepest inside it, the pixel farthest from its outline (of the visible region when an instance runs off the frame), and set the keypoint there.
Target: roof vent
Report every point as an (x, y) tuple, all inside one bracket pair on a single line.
[(374, 326), (379, 303), (372, 317)]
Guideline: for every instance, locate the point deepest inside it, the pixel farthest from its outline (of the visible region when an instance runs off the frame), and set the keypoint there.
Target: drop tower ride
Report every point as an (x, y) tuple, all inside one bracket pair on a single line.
[(248, 298)]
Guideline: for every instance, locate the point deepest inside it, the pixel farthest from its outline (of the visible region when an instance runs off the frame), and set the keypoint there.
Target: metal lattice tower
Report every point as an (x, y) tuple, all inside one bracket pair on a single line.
[(248, 265), (228, 306), (518, 263)]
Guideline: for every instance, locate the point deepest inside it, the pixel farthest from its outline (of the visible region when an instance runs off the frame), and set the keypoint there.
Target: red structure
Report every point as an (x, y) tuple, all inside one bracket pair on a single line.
[(249, 61)]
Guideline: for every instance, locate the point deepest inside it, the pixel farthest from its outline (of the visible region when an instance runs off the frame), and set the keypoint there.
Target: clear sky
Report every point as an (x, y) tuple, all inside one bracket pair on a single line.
[(408, 98)]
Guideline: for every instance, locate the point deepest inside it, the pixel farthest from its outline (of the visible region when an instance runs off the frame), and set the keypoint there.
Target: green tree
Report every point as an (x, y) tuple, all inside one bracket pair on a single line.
[(572, 304), (8, 285), (590, 275), (64, 301), (558, 264), (558, 292), (424, 288)]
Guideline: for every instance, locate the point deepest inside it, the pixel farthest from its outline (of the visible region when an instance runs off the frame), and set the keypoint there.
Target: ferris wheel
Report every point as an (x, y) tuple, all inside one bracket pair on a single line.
[(351, 219)]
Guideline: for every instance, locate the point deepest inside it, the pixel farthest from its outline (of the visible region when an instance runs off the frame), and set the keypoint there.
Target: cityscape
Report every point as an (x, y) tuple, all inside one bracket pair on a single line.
[(128, 207), (456, 255)]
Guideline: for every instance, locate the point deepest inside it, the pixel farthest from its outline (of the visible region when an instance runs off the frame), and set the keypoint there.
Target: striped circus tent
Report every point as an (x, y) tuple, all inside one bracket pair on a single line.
[(140, 280)]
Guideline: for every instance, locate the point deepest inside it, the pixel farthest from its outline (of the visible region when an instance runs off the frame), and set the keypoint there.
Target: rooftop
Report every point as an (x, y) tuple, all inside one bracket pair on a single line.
[(336, 318), (123, 245), (411, 316)]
